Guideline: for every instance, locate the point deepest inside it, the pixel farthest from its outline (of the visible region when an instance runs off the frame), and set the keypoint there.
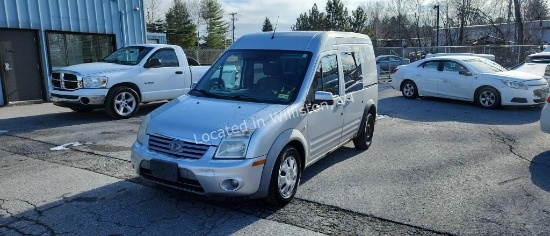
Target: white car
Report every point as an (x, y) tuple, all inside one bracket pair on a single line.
[(545, 117), (470, 78)]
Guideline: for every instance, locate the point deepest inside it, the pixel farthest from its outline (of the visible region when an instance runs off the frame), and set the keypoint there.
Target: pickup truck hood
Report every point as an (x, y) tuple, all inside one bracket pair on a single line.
[(87, 69), (198, 119)]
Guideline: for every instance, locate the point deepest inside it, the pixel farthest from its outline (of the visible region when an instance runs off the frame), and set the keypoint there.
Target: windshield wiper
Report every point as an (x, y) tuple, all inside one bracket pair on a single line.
[(205, 93), (111, 61), (245, 98)]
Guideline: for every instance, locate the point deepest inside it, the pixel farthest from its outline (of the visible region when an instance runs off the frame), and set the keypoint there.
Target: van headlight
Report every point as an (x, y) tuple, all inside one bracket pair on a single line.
[(142, 132), (515, 85), (234, 145), (94, 82)]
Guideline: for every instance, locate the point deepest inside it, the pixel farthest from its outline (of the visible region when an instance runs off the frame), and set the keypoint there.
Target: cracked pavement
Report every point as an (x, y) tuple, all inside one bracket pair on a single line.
[(435, 167)]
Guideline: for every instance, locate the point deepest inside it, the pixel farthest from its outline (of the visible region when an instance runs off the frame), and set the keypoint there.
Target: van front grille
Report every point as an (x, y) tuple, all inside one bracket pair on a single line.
[(176, 148)]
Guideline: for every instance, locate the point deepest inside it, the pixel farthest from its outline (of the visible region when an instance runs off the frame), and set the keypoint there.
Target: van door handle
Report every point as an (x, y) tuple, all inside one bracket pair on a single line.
[(179, 72)]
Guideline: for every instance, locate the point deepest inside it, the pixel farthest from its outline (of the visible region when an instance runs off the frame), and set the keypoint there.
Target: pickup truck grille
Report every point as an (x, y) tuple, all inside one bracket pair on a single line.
[(176, 148), (65, 81)]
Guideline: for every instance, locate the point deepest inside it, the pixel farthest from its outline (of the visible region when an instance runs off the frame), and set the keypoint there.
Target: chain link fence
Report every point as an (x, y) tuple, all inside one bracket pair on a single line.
[(507, 56)]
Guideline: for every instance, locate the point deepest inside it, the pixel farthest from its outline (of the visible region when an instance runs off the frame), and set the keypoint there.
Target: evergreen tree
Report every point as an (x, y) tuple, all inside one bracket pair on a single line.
[(337, 16), (180, 30), (312, 21), (216, 29), (358, 20), (267, 25)]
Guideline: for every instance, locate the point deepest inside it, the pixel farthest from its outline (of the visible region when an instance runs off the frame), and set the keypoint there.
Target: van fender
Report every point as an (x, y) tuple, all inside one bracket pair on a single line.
[(280, 142)]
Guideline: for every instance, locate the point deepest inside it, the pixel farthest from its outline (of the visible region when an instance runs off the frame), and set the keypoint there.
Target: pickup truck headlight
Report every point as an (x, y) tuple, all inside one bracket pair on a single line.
[(515, 85), (234, 145), (142, 132), (94, 82)]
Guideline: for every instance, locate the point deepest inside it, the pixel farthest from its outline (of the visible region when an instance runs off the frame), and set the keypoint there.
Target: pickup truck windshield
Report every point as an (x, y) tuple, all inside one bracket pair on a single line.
[(264, 76), (128, 55)]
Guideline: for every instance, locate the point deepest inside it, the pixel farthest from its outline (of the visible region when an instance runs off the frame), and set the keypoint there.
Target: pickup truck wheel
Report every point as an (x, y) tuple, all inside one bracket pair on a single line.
[(366, 132), (122, 103), (285, 177), (82, 110)]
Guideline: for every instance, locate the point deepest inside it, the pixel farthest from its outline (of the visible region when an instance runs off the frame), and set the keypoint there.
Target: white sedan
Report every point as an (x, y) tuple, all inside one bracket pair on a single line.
[(470, 78)]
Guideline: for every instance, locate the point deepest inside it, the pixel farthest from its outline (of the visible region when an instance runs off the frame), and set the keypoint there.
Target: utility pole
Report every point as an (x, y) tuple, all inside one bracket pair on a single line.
[(233, 19), (437, 29)]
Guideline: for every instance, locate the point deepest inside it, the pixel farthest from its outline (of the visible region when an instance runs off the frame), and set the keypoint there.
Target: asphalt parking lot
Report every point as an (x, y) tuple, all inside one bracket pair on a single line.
[(436, 167)]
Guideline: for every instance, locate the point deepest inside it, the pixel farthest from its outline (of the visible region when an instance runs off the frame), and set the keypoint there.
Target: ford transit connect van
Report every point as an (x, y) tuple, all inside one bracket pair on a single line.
[(293, 98)]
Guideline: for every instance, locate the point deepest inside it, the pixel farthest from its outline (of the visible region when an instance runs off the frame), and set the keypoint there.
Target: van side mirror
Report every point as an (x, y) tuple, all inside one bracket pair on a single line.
[(322, 97), (465, 72), (153, 62)]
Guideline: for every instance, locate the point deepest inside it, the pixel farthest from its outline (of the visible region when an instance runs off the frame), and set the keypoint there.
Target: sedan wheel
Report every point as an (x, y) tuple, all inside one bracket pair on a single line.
[(488, 98), (409, 90)]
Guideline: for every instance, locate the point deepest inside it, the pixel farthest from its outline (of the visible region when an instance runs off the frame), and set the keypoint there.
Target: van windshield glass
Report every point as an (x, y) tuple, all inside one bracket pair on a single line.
[(128, 55), (264, 76)]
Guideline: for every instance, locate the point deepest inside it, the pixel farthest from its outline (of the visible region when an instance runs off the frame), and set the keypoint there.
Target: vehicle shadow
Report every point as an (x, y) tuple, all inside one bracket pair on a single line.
[(340, 155), (69, 118), (123, 208), (429, 109), (540, 171)]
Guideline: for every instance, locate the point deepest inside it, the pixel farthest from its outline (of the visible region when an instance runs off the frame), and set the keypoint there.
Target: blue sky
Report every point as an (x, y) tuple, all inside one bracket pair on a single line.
[(252, 13)]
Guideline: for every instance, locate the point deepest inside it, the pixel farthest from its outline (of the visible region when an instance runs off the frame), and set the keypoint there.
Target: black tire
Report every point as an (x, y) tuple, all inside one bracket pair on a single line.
[(366, 132), (287, 170), (82, 110), (487, 98), (409, 89), (122, 102)]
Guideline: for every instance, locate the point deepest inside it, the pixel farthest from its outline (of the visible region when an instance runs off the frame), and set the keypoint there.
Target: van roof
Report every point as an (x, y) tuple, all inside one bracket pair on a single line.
[(298, 40)]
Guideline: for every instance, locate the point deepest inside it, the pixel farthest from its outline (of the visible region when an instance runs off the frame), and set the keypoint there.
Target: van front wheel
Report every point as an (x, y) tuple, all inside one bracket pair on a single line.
[(366, 131), (285, 177)]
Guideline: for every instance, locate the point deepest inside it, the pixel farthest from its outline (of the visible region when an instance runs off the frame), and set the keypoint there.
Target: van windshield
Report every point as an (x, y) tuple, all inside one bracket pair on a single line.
[(264, 76)]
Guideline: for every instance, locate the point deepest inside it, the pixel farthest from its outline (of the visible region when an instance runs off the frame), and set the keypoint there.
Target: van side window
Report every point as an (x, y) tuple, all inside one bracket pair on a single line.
[(326, 76), (167, 57), (351, 65)]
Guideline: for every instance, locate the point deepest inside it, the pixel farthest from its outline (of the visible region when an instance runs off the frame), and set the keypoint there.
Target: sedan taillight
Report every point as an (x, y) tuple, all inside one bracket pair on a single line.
[(394, 70), (548, 99)]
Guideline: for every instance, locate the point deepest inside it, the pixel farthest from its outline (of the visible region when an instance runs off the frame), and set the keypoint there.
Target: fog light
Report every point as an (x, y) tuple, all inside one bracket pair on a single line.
[(84, 101), (231, 184)]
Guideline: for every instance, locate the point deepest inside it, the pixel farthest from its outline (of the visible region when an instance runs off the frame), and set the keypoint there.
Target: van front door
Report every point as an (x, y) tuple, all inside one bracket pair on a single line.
[(324, 124)]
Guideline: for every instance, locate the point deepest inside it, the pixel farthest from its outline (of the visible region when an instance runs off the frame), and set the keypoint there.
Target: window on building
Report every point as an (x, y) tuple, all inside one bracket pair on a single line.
[(67, 49)]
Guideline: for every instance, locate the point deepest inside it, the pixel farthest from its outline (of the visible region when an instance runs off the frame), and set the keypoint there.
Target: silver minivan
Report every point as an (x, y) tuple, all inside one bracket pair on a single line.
[(270, 106)]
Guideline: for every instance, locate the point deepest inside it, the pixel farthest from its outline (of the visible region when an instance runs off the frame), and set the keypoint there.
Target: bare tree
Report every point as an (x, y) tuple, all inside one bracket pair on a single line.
[(519, 21), (152, 11)]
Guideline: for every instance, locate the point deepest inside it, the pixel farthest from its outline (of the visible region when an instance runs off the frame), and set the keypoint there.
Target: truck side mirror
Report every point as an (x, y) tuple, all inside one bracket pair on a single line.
[(153, 62)]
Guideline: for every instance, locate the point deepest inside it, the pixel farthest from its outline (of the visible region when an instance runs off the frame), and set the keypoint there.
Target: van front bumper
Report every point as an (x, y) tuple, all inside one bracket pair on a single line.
[(206, 176)]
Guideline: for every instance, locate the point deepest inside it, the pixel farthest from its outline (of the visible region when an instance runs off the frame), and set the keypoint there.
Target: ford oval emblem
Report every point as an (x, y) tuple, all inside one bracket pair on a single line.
[(175, 145)]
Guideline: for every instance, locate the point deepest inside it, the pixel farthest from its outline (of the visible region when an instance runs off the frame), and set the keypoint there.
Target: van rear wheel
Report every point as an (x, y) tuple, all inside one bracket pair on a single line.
[(366, 132), (285, 177)]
